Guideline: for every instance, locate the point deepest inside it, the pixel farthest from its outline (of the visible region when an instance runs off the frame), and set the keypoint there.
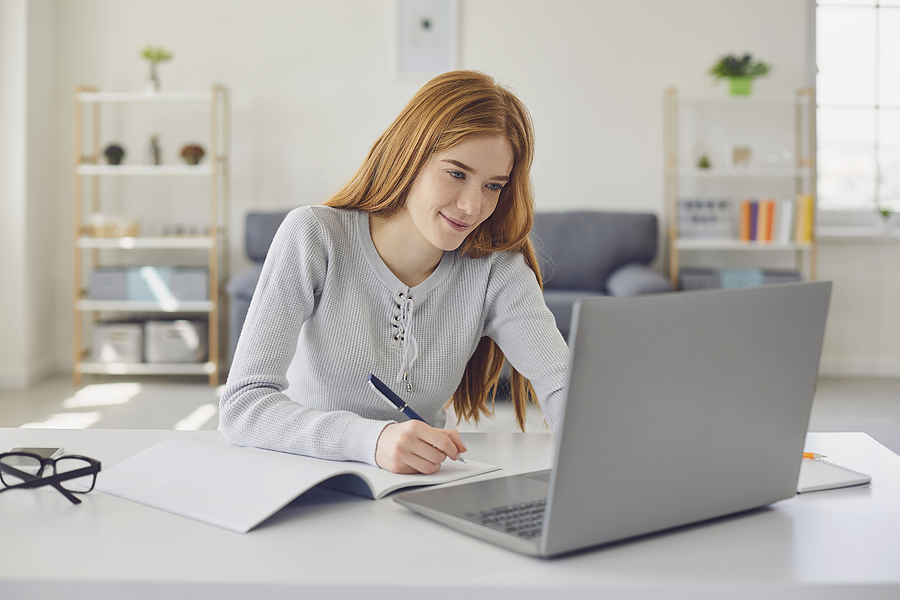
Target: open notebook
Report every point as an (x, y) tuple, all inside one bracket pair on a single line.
[(238, 488), (817, 475)]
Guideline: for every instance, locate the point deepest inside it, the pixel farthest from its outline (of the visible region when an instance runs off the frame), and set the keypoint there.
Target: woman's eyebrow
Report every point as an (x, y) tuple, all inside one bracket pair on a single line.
[(466, 167)]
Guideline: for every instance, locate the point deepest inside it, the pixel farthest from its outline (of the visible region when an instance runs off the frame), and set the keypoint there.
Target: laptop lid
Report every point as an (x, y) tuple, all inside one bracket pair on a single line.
[(681, 408)]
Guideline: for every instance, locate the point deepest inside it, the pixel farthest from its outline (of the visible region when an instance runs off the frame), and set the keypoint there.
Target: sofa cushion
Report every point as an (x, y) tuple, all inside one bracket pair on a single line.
[(242, 285), (636, 279), (560, 303), (260, 228), (578, 250)]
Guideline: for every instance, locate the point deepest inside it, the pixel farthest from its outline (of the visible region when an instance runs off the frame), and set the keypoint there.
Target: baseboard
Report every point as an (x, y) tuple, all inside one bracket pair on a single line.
[(855, 367), (35, 372)]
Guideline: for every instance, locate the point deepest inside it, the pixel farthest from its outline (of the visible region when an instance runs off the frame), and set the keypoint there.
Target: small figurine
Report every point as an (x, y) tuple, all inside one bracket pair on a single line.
[(154, 154)]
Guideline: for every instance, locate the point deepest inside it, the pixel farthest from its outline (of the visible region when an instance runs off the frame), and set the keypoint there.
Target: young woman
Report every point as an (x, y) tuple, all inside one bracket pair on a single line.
[(420, 271)]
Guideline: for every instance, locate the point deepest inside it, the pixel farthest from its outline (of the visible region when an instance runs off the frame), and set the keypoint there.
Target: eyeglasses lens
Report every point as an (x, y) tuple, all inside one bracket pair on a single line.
[(67, 464), (26, 464)]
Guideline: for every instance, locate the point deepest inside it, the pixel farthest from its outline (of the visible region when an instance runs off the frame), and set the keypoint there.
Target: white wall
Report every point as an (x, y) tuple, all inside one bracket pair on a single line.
[(28, 176), (13, 135), (312, 86)]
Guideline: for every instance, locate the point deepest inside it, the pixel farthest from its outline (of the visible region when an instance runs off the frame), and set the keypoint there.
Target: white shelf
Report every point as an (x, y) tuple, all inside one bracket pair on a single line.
[(128, 243), (158, 97), (196, 306), (146, 368), (744, 100), (144, 170), (713, 244), (743, 173), (858, 234)]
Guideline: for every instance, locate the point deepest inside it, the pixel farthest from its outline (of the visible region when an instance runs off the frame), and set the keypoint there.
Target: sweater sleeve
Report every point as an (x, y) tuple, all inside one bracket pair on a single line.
[(253, 410), (518, 320)]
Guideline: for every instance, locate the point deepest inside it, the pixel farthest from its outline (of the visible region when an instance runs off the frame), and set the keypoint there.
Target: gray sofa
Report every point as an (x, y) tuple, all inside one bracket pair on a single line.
[(582, 254)]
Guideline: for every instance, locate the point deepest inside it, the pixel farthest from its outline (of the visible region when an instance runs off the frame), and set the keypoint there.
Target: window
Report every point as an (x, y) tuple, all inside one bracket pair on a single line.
[(858, 104)]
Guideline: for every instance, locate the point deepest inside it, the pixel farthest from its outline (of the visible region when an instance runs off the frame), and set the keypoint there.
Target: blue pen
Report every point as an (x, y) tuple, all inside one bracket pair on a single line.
[(386, 394)]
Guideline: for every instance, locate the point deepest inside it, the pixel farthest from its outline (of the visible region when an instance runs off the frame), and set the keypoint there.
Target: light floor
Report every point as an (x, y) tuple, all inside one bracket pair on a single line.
[(868, 405)]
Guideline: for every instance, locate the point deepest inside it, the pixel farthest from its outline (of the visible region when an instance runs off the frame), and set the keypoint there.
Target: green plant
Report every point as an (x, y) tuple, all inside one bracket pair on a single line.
[(156, 54), (885, 212), (732, 65)]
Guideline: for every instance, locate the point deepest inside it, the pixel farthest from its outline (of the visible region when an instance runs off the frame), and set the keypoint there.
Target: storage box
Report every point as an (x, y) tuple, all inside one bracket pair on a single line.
[(704, 278), (117, 342), (698, 279), (179, 341), (160, 284), (189, 283), (109, 283)]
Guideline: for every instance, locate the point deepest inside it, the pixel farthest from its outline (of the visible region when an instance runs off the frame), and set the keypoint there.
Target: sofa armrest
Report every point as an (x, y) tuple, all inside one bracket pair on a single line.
[(635, 279)]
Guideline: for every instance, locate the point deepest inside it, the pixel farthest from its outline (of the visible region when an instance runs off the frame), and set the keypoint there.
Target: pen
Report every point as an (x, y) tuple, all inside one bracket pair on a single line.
[(386, 394), (812, 455)]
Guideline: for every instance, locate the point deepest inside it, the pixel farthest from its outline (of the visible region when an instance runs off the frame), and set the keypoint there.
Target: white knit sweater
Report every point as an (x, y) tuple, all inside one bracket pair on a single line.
[(327, 312)]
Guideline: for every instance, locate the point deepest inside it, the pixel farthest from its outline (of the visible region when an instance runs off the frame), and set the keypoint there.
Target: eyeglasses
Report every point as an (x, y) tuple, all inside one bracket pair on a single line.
[(71, 474)]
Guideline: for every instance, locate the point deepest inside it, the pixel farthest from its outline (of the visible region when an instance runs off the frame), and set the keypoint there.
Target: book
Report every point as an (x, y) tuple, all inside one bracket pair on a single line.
[(754, 220), (766, 220), (804, 218), (238, 488), (786, 221), (745, 210), (817, 475)]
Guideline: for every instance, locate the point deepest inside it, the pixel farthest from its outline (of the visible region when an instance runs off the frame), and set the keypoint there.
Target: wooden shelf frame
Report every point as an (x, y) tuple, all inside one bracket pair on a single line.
[(88, 170), (803, 173)]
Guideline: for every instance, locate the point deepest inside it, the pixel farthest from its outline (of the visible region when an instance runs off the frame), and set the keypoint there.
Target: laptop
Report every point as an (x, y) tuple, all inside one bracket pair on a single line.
[(678, 408)]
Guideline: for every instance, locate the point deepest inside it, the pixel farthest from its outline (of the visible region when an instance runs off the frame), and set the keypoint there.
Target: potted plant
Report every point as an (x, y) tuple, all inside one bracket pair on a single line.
[(885, 213), (740, 71), (156, 55)]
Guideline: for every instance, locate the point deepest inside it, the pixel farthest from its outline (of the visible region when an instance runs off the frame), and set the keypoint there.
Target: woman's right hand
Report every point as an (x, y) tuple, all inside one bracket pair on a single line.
[(416, 447)]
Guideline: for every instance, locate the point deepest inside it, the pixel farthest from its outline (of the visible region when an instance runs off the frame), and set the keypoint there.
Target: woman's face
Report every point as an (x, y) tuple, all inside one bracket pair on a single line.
[(458, 189)]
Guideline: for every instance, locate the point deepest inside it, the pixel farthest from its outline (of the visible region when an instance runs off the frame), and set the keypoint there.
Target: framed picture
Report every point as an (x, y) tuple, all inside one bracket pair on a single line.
[(426, 36), (739, 156)]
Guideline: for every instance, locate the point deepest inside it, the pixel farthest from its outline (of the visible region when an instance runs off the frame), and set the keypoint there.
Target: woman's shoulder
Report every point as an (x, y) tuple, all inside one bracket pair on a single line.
[(498, 267), (325, 216), (321, 222)]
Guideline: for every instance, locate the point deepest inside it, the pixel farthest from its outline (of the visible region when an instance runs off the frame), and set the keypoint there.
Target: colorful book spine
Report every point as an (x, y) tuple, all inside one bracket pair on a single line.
[(804, 219), (745, 221), (754, 220), (786, 221)]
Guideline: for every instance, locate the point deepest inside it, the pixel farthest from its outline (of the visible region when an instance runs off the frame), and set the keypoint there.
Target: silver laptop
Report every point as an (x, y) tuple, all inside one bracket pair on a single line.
[(678, 408)]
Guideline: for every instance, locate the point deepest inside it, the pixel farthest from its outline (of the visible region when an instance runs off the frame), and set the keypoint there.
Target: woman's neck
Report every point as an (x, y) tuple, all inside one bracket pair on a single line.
[(409, 256)]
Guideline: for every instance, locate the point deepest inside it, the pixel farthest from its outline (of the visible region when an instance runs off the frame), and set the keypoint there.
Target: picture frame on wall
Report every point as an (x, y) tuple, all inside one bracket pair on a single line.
[(427, 32)]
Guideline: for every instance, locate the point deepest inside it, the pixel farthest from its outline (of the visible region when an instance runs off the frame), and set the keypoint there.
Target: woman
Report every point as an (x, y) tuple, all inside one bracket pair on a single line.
[(419, 271)]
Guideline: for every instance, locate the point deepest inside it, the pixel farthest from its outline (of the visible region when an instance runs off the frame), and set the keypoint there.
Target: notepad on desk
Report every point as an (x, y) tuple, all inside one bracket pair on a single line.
[(817, 475), (238, 488)]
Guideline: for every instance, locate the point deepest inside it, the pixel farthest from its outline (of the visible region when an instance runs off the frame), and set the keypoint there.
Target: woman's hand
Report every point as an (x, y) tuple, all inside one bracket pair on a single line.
[(416, 447)]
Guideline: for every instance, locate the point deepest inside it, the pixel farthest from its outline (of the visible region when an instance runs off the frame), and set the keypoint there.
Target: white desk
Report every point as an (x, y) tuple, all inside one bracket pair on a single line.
[(836, 544)]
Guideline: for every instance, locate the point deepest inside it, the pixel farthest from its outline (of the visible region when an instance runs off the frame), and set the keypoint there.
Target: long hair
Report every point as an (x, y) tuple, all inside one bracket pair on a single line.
[(449, 109)]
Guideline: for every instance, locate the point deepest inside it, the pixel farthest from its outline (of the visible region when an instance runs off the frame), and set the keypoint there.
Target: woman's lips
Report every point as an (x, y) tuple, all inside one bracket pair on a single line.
[(457, 225)]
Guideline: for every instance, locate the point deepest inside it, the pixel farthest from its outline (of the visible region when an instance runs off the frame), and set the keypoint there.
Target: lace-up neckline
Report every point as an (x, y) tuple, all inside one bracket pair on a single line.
[(406, 298)]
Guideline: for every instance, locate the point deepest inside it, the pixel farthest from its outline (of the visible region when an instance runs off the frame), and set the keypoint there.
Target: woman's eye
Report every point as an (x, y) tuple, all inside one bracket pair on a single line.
[(495, 187), (457, 174)]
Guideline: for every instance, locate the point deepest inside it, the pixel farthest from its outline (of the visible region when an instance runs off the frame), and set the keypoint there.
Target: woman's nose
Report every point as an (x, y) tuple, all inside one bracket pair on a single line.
[(470, 202)]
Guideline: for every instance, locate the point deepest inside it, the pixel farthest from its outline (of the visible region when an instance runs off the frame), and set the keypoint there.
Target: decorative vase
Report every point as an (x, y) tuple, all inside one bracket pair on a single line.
[(152, 85), (740, 86)]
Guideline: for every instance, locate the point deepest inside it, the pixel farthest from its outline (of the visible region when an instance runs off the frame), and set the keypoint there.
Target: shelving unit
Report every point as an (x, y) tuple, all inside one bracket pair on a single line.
[(802, 173), (88, 250)]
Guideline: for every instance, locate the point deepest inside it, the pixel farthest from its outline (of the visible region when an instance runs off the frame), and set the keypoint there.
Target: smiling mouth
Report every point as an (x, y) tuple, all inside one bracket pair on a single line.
[(457, 225)]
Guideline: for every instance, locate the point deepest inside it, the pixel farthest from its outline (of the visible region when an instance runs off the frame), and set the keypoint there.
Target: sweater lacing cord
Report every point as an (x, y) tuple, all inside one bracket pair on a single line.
[(407, 340)]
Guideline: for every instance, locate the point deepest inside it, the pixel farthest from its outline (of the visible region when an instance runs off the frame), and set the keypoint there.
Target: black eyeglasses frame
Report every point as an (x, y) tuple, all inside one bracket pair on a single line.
[(35, 481)]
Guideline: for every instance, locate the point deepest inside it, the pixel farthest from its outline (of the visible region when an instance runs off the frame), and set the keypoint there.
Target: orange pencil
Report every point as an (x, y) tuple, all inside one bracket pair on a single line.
[(812, 455)]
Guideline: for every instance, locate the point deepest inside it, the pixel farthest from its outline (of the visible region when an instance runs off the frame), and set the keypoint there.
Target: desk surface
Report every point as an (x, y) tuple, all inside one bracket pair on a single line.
[(835, 544)]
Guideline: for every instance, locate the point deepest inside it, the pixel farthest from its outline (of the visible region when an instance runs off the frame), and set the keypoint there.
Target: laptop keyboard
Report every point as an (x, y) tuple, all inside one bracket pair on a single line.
[(524, 519)]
